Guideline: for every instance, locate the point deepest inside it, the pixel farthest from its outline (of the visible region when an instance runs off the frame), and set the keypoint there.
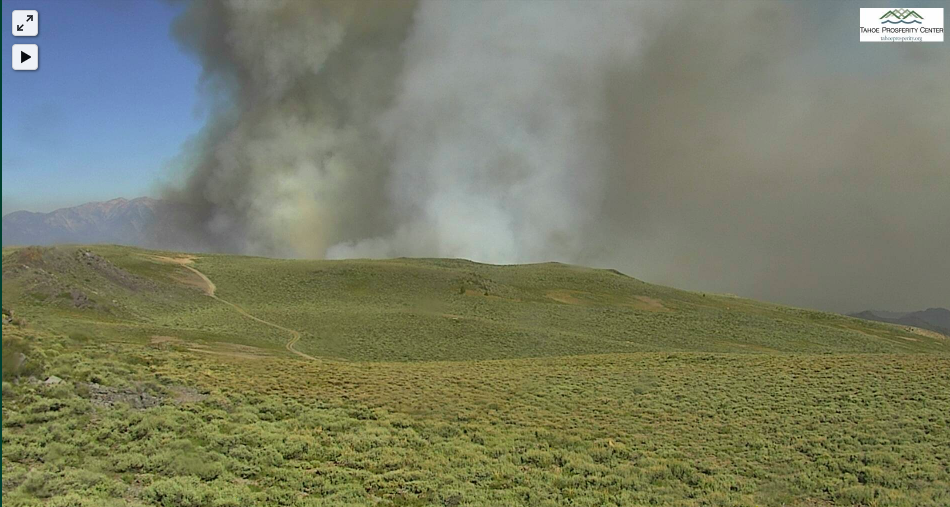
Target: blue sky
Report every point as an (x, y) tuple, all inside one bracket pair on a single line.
[(110, 106)]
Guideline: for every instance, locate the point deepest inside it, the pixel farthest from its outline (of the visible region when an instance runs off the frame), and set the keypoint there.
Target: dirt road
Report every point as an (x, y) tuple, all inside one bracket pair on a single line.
[(209, 288)]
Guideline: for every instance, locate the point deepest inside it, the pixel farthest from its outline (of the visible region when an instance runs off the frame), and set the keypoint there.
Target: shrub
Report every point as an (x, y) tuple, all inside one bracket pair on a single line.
[(18, 360), (178, 492)]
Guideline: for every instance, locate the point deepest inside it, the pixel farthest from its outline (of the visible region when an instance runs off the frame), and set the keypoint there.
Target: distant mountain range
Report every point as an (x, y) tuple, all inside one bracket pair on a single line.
[(119, 221), (934, 319)]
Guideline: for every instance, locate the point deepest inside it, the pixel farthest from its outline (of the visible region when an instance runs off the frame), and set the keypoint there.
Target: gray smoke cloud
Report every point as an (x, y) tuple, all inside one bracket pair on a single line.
[(746, 147), (289, 162)]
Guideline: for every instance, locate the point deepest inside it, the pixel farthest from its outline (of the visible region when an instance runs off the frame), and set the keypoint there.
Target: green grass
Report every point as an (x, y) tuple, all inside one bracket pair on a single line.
[(560, 386), (413, 310)]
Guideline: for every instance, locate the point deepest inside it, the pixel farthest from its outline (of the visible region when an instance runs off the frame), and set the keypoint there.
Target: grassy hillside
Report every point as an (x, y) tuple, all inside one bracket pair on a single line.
[(422, 309), (446, 382)]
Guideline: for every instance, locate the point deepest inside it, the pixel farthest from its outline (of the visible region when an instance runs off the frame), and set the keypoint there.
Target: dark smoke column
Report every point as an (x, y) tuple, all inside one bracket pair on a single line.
[(288, 162)]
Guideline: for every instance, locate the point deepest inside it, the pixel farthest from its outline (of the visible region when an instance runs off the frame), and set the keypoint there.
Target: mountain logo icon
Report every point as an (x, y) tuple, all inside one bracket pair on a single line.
[(901, 16)]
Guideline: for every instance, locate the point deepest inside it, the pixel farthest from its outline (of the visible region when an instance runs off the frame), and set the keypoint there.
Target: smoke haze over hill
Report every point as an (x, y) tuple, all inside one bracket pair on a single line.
[(748, 147)]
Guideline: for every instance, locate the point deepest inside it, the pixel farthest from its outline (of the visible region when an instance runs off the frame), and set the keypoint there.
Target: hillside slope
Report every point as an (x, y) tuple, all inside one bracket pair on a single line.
[(422, 309), (317, 383)]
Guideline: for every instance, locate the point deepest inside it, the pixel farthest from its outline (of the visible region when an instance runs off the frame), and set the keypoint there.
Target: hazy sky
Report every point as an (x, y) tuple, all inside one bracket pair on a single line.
[(749, 147), (112, 102)]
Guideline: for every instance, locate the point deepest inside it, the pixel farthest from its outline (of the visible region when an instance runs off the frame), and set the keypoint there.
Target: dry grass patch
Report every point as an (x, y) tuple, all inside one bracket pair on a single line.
[(649, 304), (215, 348), (568, 297)]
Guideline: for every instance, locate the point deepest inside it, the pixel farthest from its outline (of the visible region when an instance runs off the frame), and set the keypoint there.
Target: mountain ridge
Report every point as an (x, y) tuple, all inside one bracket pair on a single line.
[(119, 221), (933, 319)]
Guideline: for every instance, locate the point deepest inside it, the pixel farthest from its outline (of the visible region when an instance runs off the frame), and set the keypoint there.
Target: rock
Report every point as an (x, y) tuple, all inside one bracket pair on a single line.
[(19, 359), (53, 380), (111, 396), (182, 395)]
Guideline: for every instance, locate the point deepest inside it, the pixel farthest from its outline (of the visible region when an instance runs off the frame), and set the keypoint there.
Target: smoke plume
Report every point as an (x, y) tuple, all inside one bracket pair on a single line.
[(746, 147)]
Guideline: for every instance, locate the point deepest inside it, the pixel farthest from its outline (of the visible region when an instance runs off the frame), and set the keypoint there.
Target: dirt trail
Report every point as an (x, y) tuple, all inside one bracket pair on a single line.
[(294, 335), (209, 288)]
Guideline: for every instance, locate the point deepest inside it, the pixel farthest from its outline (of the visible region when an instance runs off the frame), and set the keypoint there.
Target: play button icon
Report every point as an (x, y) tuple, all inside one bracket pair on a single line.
[(26, 57)]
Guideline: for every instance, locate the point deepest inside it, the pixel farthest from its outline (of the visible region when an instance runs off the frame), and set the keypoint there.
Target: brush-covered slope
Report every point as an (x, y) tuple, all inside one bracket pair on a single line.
[(125, 383), (417, 309)]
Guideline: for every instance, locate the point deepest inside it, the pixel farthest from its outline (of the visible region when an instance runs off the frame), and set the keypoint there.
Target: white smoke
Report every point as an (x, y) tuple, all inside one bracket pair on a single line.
[(742, 147), (496, 132)]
